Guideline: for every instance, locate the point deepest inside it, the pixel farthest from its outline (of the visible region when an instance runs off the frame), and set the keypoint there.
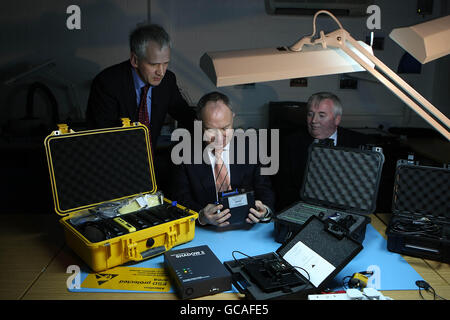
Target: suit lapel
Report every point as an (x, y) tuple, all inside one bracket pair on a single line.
[(154, 104), (130, 94), (204, 172), (237, 169), (342, 138)]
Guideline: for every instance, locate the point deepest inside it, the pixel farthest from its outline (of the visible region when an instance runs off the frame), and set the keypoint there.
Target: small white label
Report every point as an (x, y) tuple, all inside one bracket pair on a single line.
[(237, 201), (317, 267), (142, 202)]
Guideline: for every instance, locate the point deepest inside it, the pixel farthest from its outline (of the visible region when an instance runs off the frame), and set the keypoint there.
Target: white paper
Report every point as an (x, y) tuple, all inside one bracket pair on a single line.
[(302, 256), (237, 201)]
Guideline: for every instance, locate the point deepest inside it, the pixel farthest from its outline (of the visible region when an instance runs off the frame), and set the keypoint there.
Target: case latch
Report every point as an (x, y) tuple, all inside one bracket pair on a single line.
[(131, 250), (126, 122), (63, 128), (172, 236)]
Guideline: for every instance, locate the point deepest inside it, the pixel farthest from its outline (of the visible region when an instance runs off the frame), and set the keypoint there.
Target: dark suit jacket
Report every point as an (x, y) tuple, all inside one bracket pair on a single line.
[(194, 187), (113, 96), (293, 162)]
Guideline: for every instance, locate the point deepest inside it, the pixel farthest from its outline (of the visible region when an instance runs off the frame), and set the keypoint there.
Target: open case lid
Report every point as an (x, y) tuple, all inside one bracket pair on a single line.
[(318, 251), (88, 168), (342, 178), (421, 190)]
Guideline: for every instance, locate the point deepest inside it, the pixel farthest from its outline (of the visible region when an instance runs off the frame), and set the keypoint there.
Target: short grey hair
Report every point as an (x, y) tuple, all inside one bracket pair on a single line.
[(212, 96), (140, 37), (319, 96)]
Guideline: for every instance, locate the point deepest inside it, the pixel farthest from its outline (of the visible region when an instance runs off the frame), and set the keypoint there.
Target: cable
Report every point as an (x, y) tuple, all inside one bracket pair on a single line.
[(309, 39), (417, 227), (309, 277), (250, 257), (238, 261), (328, 13), (425, 286)]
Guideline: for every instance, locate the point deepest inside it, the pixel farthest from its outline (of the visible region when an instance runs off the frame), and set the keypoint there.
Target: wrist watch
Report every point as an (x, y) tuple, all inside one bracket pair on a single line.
[(268, 216)]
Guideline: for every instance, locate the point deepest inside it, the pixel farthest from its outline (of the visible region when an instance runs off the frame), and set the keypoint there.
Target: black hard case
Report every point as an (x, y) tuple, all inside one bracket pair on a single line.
[(421, 195), (314, 234), (342, 179)]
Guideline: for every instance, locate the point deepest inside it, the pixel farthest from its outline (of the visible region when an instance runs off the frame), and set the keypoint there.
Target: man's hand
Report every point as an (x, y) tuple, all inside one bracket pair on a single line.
[(209, 215), (256, 215)]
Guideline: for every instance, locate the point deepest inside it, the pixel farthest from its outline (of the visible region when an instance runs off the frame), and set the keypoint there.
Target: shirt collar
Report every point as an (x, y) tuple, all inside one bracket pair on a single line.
[(334, 137), (225, 149), (138, 83)]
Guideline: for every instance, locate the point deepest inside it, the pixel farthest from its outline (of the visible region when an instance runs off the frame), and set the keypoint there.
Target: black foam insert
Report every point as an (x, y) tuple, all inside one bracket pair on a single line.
[(337, 252), (421, 189), (342, 177), (97, 167)]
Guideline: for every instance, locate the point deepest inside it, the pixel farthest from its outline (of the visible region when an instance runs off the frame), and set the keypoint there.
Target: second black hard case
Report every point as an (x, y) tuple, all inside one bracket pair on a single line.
[(420, 222), (338, 180)]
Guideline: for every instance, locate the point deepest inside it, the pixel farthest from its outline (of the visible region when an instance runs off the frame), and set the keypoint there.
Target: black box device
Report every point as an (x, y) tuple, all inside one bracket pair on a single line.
[(196, 272), (239, 201)]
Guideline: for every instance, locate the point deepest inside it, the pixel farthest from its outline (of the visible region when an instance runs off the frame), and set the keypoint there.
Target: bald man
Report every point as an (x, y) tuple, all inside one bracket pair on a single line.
[(197, 185)]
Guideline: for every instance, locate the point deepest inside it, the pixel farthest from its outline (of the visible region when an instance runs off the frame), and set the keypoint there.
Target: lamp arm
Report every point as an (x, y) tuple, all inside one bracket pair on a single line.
[(391, 80)]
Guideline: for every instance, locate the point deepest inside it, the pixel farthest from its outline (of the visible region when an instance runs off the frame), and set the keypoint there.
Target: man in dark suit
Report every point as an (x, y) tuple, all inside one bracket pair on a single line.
[(324, 114), (196, 185), (141, 88)]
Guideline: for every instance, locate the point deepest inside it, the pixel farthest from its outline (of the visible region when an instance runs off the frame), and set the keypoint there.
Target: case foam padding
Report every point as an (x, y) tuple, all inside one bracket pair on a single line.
[(424, 190), (343, 177), (94, 168)]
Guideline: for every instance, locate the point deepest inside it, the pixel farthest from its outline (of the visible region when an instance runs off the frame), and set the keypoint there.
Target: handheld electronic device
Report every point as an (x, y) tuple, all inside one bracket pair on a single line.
[(239, 201)]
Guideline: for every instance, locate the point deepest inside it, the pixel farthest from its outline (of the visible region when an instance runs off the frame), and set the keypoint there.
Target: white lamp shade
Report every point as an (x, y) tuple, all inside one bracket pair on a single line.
[(426, 41), (226, 68)]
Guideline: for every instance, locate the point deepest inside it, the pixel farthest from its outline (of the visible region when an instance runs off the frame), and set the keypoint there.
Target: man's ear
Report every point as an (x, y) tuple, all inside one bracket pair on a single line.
[(337, 120), (133, 60)]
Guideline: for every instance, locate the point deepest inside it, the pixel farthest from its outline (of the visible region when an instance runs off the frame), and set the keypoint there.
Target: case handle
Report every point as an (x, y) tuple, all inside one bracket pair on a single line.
[(153, 252), (133, 254)]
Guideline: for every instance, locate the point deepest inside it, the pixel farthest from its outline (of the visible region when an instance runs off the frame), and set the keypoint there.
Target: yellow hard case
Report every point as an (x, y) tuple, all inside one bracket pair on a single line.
[(73, 158)]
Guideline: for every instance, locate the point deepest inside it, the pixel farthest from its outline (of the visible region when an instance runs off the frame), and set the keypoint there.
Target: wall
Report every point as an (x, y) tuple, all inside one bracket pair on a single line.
[(33, 32)]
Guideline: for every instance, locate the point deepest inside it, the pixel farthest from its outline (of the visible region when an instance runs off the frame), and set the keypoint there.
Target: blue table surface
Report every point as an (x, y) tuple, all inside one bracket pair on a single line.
[(392, 272)]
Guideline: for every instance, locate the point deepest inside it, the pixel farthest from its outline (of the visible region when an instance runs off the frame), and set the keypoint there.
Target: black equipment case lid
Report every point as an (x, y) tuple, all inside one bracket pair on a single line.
[(421, 190), (316, 237), (420, 224), (97, 166), (342, 178)]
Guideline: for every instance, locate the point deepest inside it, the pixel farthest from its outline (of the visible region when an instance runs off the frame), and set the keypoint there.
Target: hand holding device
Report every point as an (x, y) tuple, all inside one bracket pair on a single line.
[(213, 214), (255, 215)]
